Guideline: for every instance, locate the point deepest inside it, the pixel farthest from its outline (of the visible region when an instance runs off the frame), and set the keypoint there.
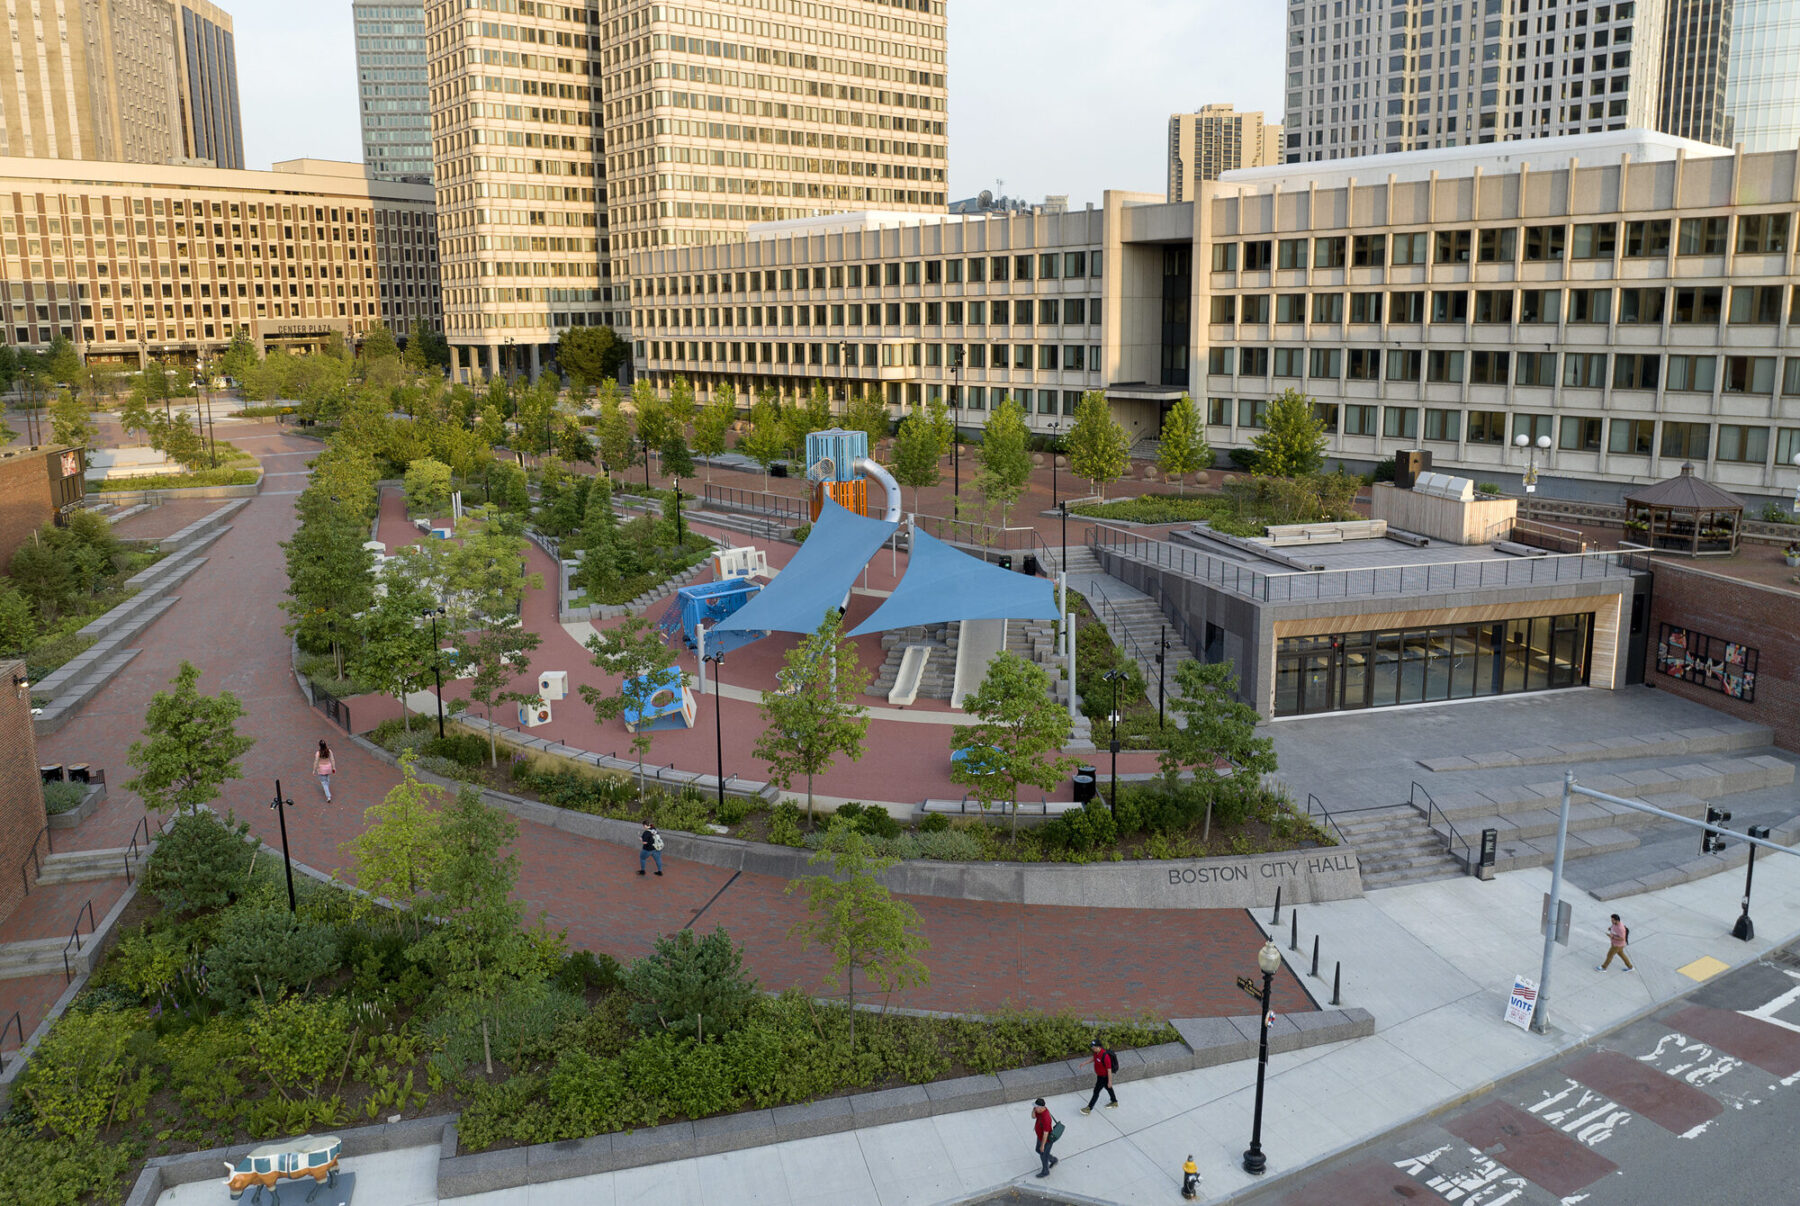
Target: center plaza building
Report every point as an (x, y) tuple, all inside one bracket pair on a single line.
[(1629, 295)]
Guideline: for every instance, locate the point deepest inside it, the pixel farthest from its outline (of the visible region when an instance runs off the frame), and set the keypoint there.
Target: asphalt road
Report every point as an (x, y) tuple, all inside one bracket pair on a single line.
[(1697, 1104)]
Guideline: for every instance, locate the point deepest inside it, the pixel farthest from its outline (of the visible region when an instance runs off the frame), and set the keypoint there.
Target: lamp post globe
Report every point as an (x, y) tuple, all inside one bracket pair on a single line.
[(1521, 440), (1543, 442), (1268, 959)]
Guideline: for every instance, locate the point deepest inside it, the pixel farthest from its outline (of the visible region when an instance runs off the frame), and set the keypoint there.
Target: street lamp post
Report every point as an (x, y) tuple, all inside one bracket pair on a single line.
[(718, 661), (281, 804), (206, 401), (1162, 657), (1054, 429), (1269, 960), (844, 370), (437, 662), (680, 538), (1543, 444), (1114, 677), (955, 421), (1063, 510), (1745, 929), (511, 361)]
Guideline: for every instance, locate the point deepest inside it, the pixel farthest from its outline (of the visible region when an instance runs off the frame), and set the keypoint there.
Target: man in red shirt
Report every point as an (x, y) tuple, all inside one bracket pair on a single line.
[(1045, 1126), (1102, 1078)]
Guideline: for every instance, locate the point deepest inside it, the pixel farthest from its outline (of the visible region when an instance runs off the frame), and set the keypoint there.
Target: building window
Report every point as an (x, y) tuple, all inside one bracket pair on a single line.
[(1224, 309), (1327, 415), (1365, 364), (1218, 412), (1400, 422), (1536, 368), (1410, 248), (1326, 362), (1762, 234), (1590, 305), (1255, 307), (1579, 434), (1790, 381), (1756, 304), (1368, 251), (1702, 236), (1633, 437), (1452, 247), (1406, 307), (1289, 361), (1290, 253), (1745, 445), (1365, 307), (1584, 370), (1493, 305), (1633, 370), (1290, 307), (1787, 445), (1359, 420), (1647, 239), (1540, 305), (1487, 427), (1218, 360), (1444, 366), (1699, 306), (1594, 241), (1532, 427), (1445, 425), (1544, 243), (1749, 374), (1488, 368), (1688, 441), (1328, 253), (1328, 307), (1498, 245), (1450, 305), (1257, 256), (1253, 362), (1251, 412), (1402, 365)]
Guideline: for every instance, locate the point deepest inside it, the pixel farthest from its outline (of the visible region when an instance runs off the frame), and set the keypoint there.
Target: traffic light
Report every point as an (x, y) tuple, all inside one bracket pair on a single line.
[(1711, 841)]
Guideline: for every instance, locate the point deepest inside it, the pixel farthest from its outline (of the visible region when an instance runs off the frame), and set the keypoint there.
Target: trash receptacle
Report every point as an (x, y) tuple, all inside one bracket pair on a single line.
[(1031, 565), (778, 469), (1490, 847), (1084, 787), (1004, 561), (51, 772)]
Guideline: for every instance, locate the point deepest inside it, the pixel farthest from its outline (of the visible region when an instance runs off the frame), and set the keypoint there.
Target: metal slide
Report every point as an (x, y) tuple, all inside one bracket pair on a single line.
[(978, 643), (863, 464)]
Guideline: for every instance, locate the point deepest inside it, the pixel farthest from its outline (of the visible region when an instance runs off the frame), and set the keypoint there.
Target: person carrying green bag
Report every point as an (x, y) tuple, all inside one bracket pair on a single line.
[(1049, 1130)]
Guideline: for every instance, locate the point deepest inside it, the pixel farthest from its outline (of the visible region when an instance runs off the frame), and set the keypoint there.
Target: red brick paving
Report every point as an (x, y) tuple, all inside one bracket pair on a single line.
[(168, 519), (1535, 1151), (50, 911), (32, 997), (1669, 1103), (229, 624), (1771, 1048)]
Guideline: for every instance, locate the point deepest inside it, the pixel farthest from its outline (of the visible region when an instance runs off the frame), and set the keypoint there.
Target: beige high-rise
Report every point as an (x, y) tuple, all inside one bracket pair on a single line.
[(688, 123), (126, 81), (1214, 139)]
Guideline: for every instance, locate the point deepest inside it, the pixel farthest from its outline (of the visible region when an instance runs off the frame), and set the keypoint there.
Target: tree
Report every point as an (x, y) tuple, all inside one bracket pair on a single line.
[(599, 540), (613, 432), (239, 356), (193, 745), (867, 413), (853, 916), (425, 348), (766, 441), (1018, 725), (1292, 444), (690, 986), (490, 426), (812, 415), (1183, 448), (590, 355), (427, 484), (398, 853), (712, 422), (1099, 451), (811, 712), (330, 577), (61, 361), (477, 945), (378, 344), (1217, 727), (396, 653), (178, 439), (916, 455), (572, 443), (69, 421), (680, 404), (677, 462), (653, 422), (636, 652), (1005, 456), (493, 644)]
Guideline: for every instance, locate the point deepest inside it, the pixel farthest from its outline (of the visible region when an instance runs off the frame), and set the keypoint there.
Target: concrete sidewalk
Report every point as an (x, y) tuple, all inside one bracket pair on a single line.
[(1433, 962)]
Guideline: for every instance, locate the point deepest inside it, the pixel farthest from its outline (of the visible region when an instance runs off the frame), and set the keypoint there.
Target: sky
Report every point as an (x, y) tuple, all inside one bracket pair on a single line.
[(1050, 96)]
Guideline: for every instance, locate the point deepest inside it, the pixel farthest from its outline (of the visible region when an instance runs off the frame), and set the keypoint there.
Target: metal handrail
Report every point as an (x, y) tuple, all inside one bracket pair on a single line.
[(131, 849), (1454, 839), (1127, 644), (31, 857), (75, 937), (755, 501), (1326, 813), (15, 1023)]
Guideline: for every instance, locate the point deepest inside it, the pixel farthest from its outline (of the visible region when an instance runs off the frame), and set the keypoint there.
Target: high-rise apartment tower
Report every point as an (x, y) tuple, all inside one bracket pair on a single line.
[(1762, 87), (1695, 55), (392, 90), (206, 69), (566, 136), (1214, 139)]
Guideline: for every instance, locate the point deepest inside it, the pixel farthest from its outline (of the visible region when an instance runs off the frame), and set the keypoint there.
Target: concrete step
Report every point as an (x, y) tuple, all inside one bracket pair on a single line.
[(207, 528), (34, 957), (1401, 877), (1541, 852), (1726, 737), (177, 565), (79, 866), (62, 709), (1706, 780), (1583, 816)]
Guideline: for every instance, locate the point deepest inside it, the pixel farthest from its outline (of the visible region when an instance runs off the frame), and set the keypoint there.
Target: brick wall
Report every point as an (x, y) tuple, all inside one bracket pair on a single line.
[(21, 797), (1762, 617), (25, 503)]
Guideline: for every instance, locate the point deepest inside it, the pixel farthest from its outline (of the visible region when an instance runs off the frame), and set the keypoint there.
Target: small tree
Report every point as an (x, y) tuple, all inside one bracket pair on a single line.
[(1099, 450), (690, 986), (916, 455), (853, 916), (652, 418), (1218, 727), (680, 405), (613, 431), (590, 355), (1018, 726), (70, 423), (398, 853), (1183, 448), (396, 653), (867, 413), (712, 422), (677, 462), (1005, 456), (766, 441), (427, 485), (488, 571), (1292, 444), (426, 348), (193, 745), (635, 651), (812, 713), (378, 344)]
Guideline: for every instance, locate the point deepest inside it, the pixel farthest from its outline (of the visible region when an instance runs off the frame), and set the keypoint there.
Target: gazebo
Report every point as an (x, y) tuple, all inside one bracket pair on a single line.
[(1686, 515)]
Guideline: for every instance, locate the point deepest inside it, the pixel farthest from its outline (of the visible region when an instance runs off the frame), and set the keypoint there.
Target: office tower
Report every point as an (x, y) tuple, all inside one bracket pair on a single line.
[(1363, 79), (1695, 56), (670, 126), (132, 81), (1762, 92), (1214, 139), (392, 89), (207, 72)]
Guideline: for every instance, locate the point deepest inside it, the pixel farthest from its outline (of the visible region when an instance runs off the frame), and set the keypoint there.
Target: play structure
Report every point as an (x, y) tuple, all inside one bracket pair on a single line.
[(702, 606), (670, 704), (745, 561), (531, 715), (838, 466), (553, 684)]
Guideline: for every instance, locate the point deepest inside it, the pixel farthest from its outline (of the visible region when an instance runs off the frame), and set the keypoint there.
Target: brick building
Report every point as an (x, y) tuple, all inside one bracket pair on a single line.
[(1740, 626), (35, 483), (21, 796)]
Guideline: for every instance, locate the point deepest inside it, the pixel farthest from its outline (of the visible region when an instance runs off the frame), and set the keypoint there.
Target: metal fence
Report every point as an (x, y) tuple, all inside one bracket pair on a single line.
[(1019, 542), (335, 709), (757, 502)]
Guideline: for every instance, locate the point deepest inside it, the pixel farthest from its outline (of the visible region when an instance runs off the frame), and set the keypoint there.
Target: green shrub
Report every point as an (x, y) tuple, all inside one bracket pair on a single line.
[(1156, 508), (784, 824), (63, 797), (467, 749), (298, 1041), (61, 1172), (206, 1064), (522, 1026), (934, 822), (89, 1072), (1082, 830), (873, 821), (685, 812), (258, 952), (689, 984), (584, 969), (732, 810), (199, 863)]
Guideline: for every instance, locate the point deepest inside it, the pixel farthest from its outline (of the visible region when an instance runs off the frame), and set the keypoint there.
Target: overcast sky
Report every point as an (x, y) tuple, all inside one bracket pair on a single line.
[(1051, 96)]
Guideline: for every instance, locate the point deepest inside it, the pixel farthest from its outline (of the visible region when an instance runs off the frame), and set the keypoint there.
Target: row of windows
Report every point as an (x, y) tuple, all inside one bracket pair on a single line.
[(1047, 266), (1578, 370), (1698, 305), (1757, 234), (1737, 443), (1045, 357), (1022, 311)]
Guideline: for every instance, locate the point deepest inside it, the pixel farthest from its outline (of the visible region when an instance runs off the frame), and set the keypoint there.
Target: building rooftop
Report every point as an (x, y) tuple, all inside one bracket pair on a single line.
[(1539, 154)]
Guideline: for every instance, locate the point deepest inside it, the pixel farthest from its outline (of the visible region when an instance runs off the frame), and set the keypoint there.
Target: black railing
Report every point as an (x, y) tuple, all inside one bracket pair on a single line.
[(1103, 607), (75, 938), (1313, 802), (1452, 839), (132, 852), (32, 866), (992, 538), (757, 502), (335, 709), (16, 1024)]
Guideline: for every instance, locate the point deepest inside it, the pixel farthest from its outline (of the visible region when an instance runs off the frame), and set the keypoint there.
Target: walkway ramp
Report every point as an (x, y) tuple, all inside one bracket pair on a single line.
[(978, 643), (912, 669)]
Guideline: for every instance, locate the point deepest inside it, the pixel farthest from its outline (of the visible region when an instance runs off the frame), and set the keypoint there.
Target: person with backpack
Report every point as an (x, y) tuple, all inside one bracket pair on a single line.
[(651, 845), (1048, 1131), (1618, 934), (1105, 1064)]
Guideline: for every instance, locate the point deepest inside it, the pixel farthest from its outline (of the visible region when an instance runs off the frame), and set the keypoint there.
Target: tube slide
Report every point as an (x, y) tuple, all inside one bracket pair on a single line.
[(864, 465)]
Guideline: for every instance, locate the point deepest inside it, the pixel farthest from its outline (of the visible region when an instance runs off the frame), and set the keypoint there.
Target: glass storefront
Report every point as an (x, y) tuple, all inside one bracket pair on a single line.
[(1353, 670)]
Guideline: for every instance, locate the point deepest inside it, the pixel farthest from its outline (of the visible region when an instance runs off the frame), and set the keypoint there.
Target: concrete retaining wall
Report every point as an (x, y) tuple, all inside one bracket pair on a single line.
[(127, 498)]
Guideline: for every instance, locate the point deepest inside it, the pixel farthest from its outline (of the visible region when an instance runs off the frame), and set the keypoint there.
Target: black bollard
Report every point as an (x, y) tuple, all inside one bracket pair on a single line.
[(1276, 919), (1337, 984), (1294, 935), (1315, 966)]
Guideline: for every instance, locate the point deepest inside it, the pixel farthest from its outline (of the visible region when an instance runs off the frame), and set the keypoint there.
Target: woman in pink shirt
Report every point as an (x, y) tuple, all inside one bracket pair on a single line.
[(1618, 934), (323, 766)]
